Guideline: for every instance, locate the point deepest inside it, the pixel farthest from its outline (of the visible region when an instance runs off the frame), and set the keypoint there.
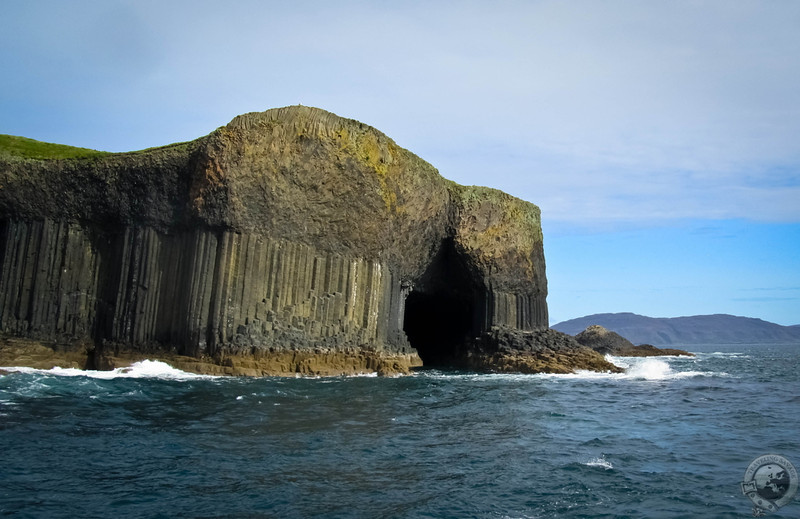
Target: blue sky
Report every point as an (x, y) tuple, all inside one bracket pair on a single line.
[(660, 139)]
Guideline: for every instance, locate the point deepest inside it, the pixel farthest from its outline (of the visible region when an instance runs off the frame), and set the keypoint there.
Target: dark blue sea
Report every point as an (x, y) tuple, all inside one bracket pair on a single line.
[(671, 437)]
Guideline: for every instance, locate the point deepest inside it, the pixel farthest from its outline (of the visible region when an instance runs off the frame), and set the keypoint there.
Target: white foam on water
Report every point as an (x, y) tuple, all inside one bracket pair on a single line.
[(725, 354), (362, 374), (647, 368), (142, 369), (653, 368), (327, 379), (599, 462), (636, 368)]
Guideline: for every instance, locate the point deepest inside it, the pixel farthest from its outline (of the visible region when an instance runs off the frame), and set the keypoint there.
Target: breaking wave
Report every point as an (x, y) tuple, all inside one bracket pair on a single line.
[(653, 368), (599, 462), (141, 369)]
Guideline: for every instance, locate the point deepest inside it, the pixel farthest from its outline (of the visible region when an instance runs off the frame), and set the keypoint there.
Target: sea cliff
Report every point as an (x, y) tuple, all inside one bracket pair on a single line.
[(288, 241)]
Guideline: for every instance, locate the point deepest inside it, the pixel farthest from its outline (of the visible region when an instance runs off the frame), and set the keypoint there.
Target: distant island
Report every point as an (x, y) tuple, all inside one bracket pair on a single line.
[(696, 329)]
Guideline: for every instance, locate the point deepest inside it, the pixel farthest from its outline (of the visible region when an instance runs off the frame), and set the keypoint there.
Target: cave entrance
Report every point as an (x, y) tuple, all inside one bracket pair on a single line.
[(437, 325), (440, 312)]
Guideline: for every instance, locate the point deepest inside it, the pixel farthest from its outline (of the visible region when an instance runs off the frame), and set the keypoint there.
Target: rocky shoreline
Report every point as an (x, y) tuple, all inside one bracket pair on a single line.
[(21, 352), (500, 351)]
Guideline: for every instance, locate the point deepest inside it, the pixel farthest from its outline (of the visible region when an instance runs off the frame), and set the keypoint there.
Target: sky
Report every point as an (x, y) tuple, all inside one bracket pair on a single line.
[(661, 140)]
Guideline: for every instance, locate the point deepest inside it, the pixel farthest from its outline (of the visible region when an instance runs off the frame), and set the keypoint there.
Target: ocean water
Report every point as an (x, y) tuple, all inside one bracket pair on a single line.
[(671, 437)]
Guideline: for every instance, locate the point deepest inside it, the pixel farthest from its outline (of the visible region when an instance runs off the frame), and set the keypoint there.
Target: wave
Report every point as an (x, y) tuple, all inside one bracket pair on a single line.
[(652, 368), (724, 354), (141, 369), (636, 368), (599, 462)]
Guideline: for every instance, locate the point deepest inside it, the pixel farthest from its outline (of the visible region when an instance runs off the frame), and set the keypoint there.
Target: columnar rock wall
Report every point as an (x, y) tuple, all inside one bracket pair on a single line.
[(205, 292), (49, 280), (494, 229), (518, 311)]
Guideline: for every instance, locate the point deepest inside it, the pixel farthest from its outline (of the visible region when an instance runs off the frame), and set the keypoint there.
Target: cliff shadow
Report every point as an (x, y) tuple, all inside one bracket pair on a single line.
[(441, 313)]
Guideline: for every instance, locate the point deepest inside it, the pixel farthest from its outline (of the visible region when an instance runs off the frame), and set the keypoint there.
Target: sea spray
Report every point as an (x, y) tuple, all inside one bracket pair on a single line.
[(654, 368), (142, 369), (601, 462)]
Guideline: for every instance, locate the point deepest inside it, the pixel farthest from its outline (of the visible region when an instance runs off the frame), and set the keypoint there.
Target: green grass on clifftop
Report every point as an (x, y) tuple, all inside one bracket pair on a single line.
[(23, 147)]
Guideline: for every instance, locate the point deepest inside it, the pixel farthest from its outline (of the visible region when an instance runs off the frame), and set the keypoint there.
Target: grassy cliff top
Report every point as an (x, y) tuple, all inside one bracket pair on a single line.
[(23, 147)]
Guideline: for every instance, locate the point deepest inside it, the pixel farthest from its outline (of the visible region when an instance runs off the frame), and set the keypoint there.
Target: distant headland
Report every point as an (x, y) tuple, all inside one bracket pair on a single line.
[(290, 241), (697, 329)]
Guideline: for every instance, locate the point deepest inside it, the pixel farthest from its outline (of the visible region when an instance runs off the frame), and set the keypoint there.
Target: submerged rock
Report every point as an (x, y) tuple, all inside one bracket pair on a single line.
[(287, 232), (605, 341)]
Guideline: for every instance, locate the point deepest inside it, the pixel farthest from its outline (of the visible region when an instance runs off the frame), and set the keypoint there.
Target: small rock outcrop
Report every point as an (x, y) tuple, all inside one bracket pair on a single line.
[(605, 341), (289, 241)]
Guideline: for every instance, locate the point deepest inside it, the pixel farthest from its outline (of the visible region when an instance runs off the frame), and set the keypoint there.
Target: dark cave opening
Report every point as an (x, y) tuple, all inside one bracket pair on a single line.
[(437, 325), (441, 313)]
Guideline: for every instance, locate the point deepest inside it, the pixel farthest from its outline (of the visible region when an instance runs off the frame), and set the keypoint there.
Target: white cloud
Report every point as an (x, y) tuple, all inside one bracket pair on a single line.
[(616, 110)]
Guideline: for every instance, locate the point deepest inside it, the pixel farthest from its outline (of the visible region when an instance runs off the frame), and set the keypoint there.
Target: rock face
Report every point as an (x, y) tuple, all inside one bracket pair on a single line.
[(607, 342), (291, 230)]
